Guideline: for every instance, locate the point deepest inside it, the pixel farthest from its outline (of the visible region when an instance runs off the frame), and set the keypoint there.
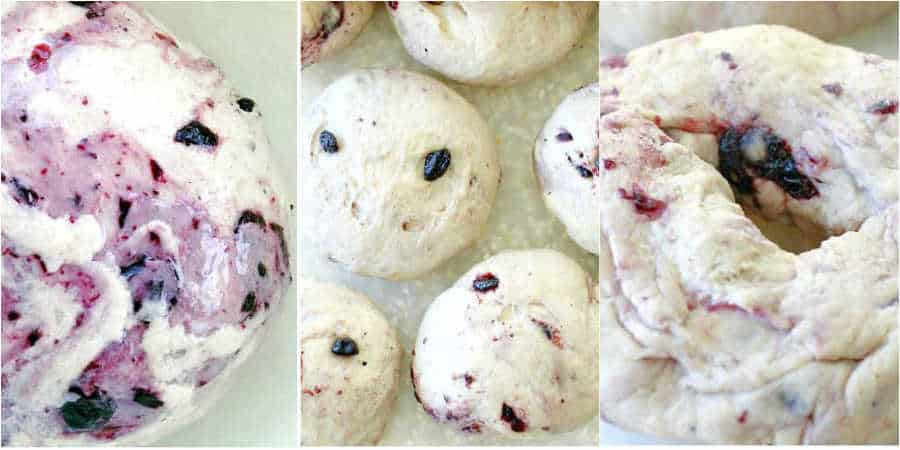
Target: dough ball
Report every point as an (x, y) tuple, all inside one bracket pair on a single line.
[(511, 347), (399, 173), (490, 43), (350, 367), (330, 26)]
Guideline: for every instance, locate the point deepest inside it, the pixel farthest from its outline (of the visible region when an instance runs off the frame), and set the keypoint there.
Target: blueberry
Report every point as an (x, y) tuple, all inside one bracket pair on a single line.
[(485, 282), (87, 413), (436, 164), (249, 305), (146, 398), (328, 142), (195, 133), (508, 415), (246, 104), (344, 347), (124, 207)]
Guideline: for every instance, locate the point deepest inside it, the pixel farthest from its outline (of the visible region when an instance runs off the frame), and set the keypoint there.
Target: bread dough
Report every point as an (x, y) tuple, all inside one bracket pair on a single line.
[(628, 25), (347, 398), (710, 331), (490, 43), (330, 26), (368, 148), (144, 227), (511, 347), (565, 162)]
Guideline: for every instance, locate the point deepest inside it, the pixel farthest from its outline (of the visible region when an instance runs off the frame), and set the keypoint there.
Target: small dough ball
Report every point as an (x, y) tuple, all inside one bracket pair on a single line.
[(489, 43), (330, 26), (349, 366), (399, 173), (566, 161), (511, 347)]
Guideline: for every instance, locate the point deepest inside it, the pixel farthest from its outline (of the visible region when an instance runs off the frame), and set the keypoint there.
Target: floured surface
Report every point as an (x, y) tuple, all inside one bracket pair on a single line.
[(519, 220), (880, 39)]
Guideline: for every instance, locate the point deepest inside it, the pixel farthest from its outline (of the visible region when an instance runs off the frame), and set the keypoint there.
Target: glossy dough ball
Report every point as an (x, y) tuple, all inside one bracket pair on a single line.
[(400, 173), (143, 227), (490, 43), (511, 347), (350, 367)]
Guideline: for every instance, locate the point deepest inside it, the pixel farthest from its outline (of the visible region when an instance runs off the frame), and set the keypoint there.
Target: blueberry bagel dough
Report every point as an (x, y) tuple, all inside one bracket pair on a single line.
[(143, 246), (490, 43), (710, 331), (349, 367), (400, 173), (628, 25), (511, 347), (328, 27), (565, 162)]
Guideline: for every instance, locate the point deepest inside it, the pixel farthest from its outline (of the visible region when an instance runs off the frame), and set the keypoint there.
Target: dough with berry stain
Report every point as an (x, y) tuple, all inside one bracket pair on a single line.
[(329, 27), (399, 173), (565, 162), (511, 348), (490, 43), (347, 398)]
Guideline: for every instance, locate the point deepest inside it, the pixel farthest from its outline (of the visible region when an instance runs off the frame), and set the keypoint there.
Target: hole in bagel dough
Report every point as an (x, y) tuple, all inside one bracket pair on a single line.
[(788, 236)]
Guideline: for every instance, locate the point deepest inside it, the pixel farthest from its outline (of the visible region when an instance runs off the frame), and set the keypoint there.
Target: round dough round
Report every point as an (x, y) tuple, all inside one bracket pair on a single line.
[(347, 397), (370, 144), (710, 331), (144, 227), (490, 43), (330, 26), (628, 25), (511, 347), (565, 162)]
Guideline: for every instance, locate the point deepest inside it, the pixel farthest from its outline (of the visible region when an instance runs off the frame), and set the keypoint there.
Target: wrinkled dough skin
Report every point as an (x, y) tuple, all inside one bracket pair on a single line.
[(144, 229), (329, 27), (346, 400), (628, 25), (565, 162), (709, 331), (370, 207), (518, 356), (490, 43)]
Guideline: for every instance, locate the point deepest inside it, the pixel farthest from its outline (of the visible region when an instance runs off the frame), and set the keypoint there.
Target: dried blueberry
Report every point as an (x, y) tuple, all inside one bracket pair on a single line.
[(29, 196), (33, 337), (328, 142), (584, 172), (87, 413), (249, 305), (508, 415), (133, 268), (436, 164), (485, 282), (564, 136), (246, 104), (776, 164), (261, 269), (195, 133), (344, 347), (124, 207), (12, 316), (146, 398)]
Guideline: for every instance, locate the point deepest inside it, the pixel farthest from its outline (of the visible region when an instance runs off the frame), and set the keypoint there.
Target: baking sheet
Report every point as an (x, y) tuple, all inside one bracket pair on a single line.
[(879, 38), (255, 44), (519, 218)]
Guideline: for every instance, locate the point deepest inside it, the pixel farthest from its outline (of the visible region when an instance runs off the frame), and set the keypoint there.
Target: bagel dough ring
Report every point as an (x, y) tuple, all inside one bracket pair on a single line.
[(329, 27), (511, 347), (347, 399), (710, 331), (565, 162), (369, 148), (144, 227), (490, 43), (629, 25)]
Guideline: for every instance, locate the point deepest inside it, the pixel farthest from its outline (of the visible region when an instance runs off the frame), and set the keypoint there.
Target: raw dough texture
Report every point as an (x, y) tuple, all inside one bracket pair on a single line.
[(511, 347), (347, 398), (628, 25), (144, 227), (399, 173), (490, 43)]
